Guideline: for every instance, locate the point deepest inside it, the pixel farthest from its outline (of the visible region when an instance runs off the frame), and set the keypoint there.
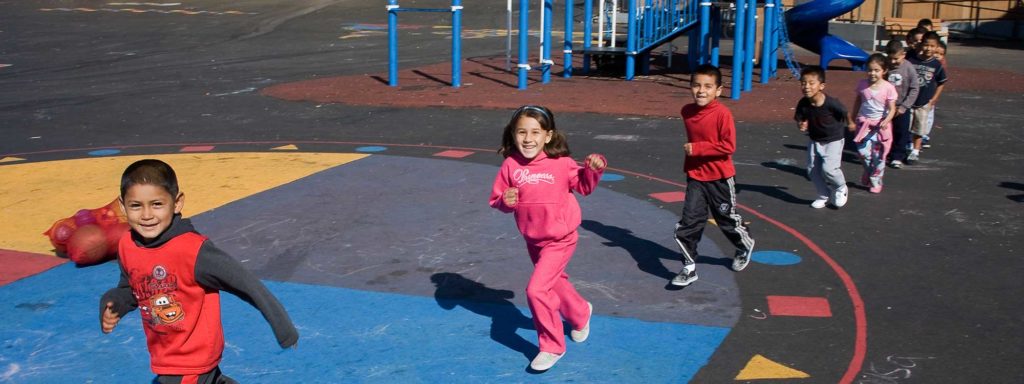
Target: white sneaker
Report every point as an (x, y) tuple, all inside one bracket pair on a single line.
[(582, 334), (544, 361), (742, 258), (685, 277), (819, 203), (841, 197)]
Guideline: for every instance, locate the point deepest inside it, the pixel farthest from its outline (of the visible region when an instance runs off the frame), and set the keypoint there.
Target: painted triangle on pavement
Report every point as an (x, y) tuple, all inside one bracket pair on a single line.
[(10, 159), (760, 367), (289, 147)]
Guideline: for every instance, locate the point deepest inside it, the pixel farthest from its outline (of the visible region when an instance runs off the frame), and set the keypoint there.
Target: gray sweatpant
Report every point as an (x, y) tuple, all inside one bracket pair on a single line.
[(824, 162)]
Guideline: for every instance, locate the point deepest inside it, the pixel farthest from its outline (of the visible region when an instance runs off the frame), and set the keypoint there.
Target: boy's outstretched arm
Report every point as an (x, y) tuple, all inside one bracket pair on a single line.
[(116, 302), (216, 270)]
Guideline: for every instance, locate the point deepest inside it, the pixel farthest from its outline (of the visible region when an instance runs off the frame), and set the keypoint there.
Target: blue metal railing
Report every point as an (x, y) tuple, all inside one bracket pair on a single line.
[(456, 10), (652, 23)]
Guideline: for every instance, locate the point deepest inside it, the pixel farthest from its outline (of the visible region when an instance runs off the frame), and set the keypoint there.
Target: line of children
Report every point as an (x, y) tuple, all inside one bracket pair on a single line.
[(174, 274)]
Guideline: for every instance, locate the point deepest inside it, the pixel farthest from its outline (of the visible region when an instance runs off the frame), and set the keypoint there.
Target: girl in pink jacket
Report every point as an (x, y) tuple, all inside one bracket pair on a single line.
[(535, 183)]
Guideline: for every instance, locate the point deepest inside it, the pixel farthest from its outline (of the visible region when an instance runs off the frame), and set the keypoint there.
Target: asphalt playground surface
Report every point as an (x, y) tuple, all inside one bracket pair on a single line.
[(364, 207)]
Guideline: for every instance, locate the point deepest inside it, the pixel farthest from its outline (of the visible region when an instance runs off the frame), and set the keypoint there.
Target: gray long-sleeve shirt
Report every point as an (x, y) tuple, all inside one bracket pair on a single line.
[(904, 77), (214, 269)]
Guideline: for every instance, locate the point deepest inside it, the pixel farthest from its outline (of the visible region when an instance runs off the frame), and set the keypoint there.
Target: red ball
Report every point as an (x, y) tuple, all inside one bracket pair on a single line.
[(84, 217), (113, 234), (87, 245), (60, 232)]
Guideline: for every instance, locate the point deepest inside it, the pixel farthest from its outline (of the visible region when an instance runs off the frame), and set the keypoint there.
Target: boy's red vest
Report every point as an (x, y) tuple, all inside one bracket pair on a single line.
[(181, 318)]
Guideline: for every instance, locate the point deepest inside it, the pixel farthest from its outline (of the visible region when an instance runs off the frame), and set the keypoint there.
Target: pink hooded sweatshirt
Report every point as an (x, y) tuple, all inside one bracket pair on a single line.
[(546, 209)]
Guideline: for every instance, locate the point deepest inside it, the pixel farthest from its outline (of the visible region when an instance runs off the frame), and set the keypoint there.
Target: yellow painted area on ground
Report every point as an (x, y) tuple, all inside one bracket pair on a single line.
[(289, 147), (11, 159), (760, 367), (34, 195)]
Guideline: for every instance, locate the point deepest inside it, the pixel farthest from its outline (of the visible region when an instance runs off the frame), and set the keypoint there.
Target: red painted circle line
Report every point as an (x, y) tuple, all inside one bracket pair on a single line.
[(860, 318)]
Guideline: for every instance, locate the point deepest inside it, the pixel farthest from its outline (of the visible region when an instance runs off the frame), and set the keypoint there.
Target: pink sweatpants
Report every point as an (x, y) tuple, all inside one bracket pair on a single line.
[(551, 296)]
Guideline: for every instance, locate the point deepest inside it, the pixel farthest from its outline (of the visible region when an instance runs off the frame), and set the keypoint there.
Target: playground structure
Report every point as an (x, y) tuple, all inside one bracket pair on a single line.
[(393, 9), (650, 24)]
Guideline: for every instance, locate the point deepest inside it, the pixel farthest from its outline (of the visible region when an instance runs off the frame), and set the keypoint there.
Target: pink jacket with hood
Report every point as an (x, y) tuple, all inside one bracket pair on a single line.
[(546, 209)]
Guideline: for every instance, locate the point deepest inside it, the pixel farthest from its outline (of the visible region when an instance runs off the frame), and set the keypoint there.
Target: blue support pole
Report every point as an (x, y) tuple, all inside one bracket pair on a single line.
[(648, 23), (716, 34), (692, 54), (737, 49), (524, 33), (546, 63), (456, 43), (705, 28), (750, 43), (567, 48), (767, 55), (776, 25), (588, 31), (392, 43), (631, 43)]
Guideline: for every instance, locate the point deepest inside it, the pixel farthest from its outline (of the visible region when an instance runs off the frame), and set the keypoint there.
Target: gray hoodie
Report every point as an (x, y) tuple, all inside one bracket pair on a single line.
[(904, 77)]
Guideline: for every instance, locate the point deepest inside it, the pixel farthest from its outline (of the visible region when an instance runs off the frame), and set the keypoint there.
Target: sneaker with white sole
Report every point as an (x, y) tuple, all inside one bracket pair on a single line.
[(896, 164), (686, 277), (544, 361), (582, 334), (819, 203), (741, 259), (913, 157), (840, 197)]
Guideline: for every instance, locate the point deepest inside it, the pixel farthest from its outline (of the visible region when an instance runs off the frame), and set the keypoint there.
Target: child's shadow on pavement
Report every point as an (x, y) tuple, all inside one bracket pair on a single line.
[(646, 253), (452, 289)]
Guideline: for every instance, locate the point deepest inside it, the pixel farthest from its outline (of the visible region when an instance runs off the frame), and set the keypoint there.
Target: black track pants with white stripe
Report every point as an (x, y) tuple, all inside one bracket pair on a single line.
[(718, 197)]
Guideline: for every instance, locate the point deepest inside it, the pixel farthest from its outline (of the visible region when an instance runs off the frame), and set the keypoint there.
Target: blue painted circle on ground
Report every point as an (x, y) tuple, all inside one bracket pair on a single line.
[(105, 152), (776, 258), (612, 177), (372, 148)]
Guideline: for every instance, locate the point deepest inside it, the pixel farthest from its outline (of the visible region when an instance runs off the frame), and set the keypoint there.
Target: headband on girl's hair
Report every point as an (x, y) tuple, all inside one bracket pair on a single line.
[(535, 109)]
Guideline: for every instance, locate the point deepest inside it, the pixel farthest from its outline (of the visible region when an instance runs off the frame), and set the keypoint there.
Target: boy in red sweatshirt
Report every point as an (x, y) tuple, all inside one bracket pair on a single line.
[(174, 276), (710, 184)]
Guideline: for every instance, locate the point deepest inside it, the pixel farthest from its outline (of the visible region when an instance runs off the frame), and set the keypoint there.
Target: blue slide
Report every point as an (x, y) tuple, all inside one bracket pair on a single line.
[(807, 25)]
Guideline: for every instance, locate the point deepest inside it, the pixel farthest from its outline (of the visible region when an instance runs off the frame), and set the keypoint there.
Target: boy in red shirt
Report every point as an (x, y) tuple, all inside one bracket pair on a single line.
[(175, 275), (710, 184)]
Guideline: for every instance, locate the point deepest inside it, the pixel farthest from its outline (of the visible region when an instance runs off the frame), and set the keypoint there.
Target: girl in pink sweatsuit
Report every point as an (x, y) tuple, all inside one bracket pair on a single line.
[(875, 108), (535, 183)]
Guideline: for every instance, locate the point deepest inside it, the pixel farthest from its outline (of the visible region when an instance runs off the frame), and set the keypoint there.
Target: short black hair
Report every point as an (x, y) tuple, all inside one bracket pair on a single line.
[(924, 22), (893, 47), (150, 171), (931, 35), (813, 70), (709, 70), (917, 30)]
